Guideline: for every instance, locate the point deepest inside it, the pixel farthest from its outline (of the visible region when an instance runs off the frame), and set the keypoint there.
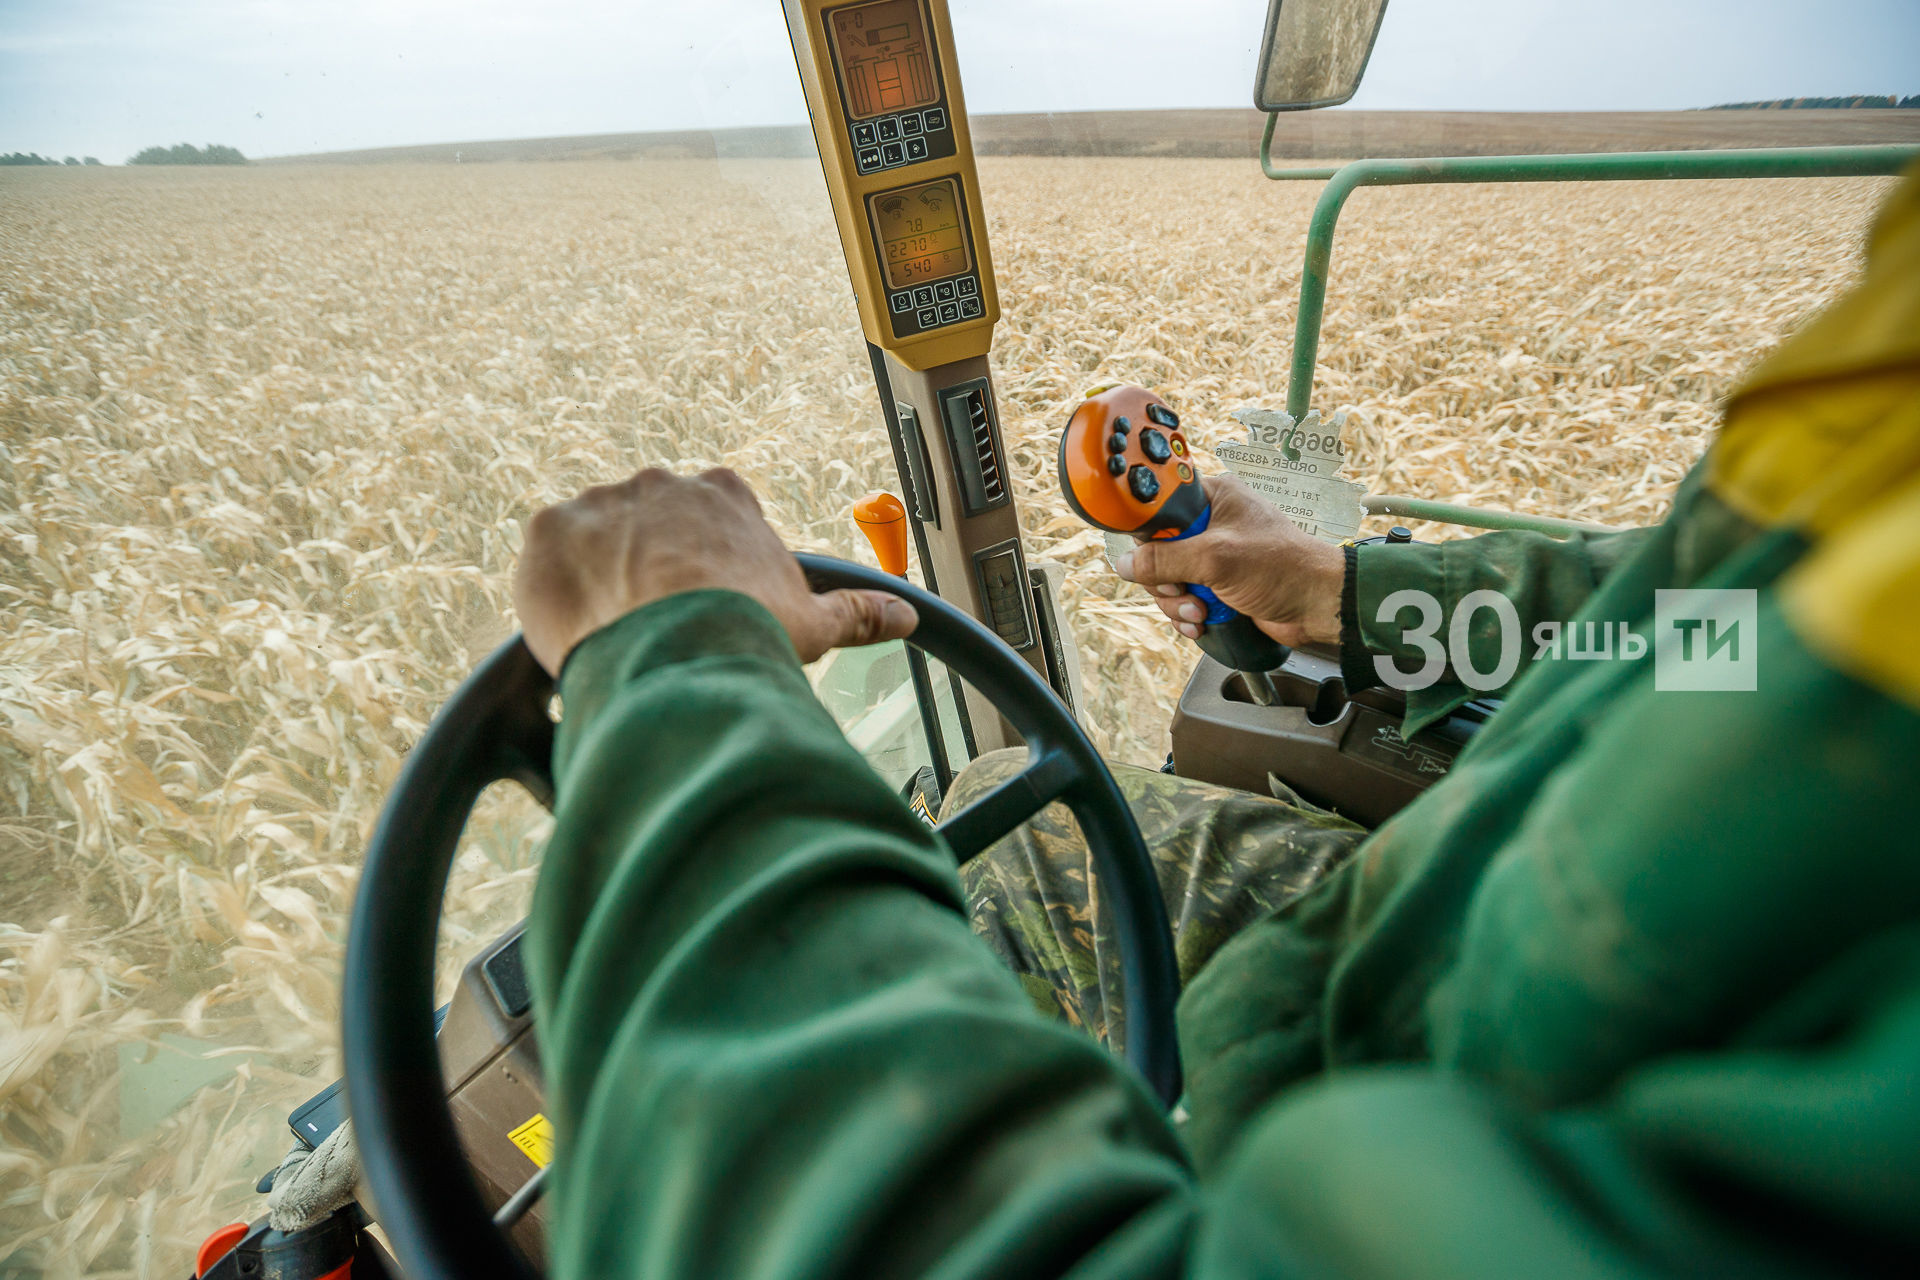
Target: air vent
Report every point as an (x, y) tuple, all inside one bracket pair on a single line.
[(973, 438)]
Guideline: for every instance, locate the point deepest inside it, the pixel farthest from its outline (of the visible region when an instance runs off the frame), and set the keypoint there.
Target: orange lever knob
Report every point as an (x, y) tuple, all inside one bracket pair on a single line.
[(884, 520)]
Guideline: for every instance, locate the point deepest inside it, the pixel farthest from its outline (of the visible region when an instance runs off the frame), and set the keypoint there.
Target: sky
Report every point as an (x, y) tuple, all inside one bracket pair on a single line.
[(273, 77)]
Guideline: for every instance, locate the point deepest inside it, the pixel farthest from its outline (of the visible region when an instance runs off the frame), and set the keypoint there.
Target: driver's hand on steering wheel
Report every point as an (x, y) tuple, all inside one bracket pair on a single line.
[(594, 559), (1256, 560)]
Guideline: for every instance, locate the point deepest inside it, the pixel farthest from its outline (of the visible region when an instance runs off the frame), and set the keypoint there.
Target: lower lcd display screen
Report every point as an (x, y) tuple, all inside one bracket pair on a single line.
[(920, 233)]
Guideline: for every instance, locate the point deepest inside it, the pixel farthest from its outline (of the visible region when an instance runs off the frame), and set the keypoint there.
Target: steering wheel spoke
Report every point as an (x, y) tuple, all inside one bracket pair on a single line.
[(998, 812)]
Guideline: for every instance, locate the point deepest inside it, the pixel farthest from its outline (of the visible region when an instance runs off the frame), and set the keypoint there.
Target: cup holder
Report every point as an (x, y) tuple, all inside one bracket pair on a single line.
[(1324, 701)]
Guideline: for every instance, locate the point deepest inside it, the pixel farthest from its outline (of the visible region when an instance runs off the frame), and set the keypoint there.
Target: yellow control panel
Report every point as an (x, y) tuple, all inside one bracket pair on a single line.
[(884, 93)]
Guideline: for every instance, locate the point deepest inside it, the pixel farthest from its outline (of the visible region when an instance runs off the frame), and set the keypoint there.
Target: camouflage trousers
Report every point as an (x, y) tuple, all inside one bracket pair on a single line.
[(1225, 858)]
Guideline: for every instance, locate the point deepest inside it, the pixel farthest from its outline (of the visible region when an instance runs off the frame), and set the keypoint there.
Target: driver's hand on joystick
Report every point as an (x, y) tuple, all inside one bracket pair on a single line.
[(590, 561), (1254, 559)]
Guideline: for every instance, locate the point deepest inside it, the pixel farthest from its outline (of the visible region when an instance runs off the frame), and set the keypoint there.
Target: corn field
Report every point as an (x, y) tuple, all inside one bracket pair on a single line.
[(267, 437)]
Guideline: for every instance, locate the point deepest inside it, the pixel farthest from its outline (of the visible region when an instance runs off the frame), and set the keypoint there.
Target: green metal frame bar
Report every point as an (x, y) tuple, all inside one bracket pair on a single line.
[(1759, 162), (1283, 175), (1382, 504)]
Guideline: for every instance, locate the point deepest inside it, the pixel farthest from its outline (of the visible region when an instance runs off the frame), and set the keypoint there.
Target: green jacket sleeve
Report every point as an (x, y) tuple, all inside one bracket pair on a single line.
[(1789, 1155), (1544, 579), (772, 1043)]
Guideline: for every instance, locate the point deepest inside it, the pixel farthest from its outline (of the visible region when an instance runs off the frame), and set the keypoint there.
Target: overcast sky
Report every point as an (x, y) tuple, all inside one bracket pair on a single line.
[(273, 77)]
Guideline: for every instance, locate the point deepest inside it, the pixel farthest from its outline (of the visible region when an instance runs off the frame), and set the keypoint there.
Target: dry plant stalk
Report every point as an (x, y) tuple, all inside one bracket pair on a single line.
[(267, 437)]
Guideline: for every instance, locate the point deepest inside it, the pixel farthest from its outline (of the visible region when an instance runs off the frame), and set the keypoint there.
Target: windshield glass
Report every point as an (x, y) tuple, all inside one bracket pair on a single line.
[(268, 432)]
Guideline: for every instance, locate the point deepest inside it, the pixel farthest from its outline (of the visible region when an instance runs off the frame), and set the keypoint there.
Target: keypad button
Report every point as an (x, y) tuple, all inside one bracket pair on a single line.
[(949, 312), (1162, 415), (892, 154), (868, 158), (1116, 465), (1123, 424), (916, 148), (1143, 483), (967, 286), (1155, 446), (902, 303), (928, 317), (944, 291), (969, 308), (935, 119), (890, 129), (1116, 443), (910, 124), (863, 135), (923, 296)]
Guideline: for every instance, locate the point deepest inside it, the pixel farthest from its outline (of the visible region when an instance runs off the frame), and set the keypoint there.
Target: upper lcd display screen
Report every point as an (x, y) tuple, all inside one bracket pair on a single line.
[(920, 232), (885, 61)]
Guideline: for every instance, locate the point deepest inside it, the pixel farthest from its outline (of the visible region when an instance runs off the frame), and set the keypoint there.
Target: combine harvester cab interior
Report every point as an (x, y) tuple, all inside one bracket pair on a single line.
[(883, 86)]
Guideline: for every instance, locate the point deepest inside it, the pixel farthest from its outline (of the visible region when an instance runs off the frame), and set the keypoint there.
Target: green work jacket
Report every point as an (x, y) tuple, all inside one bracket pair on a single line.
[(1633, 991)]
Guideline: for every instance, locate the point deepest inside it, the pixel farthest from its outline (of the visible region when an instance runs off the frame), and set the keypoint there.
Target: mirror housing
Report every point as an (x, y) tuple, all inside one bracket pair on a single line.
[(1314, 52)]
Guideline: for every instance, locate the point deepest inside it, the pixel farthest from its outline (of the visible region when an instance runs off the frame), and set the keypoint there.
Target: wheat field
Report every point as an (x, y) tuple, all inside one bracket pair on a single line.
[(267, 437)]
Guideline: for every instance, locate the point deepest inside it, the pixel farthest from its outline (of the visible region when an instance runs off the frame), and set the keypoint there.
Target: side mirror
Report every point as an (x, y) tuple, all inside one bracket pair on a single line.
[(1314, 52)]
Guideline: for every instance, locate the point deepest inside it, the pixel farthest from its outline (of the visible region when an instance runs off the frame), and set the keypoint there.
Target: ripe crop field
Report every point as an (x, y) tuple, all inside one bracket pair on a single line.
[(267, 437)]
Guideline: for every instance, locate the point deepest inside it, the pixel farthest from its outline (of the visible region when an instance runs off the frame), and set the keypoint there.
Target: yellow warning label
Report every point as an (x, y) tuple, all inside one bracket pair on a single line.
[(535, 1138)]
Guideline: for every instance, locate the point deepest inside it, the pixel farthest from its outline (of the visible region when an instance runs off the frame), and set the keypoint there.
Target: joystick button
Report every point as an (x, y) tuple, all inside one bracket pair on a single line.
[(1154, 445), (1144, 484)]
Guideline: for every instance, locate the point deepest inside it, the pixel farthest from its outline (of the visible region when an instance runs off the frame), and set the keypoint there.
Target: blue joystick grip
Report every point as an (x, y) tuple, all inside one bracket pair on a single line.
[(1228, 636)]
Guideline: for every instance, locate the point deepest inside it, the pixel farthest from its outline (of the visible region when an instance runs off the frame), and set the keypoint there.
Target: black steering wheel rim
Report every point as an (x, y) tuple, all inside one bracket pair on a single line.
[(496, 726)]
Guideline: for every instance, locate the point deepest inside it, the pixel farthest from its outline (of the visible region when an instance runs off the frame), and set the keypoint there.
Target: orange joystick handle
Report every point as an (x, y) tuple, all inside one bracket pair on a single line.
[(884, 520), (1125, 467)]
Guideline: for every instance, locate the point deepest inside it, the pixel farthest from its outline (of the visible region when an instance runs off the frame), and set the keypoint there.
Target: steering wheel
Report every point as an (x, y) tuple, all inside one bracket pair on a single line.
[(496, 726)]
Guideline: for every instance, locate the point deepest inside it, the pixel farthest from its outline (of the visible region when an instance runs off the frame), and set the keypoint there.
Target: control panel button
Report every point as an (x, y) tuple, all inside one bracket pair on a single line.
[(1185, 473), (1117, 465), (890, 129), (863, 135), (949, 312), (1162, 415), (1116, 443), (910, 124), (944, 291), (1144, 484), (967, 286), (923, 296), (935, 119), (1179, 447), (916, 148), (1123, 424), (902, 303), (868, 158), (892, 154), (969, 308), (928, 317), (1154, 445)]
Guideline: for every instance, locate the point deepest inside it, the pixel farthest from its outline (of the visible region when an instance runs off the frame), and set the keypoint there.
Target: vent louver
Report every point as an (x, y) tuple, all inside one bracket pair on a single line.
[(973, 438), (990, 480)]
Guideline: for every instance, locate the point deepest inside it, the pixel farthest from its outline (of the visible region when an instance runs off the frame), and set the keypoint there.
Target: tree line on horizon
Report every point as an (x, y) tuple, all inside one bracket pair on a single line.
[(34, 157), (1867, 100), (187, 153), (184, 153)]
